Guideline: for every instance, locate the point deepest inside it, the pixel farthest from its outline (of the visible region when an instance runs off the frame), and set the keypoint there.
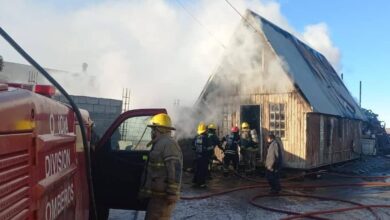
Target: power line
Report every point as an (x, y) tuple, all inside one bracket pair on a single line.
[(243, 17), (200, 23)]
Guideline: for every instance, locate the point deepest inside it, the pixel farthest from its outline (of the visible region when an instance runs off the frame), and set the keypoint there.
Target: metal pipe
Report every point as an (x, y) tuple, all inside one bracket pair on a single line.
[(75, 109)]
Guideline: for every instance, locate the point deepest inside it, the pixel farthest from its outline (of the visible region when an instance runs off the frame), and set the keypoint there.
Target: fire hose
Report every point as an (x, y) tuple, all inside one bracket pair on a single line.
[(313, 214), (76, 110)]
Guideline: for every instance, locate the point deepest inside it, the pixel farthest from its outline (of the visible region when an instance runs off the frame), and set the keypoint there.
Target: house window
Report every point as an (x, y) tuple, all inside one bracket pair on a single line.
[(277, 119)]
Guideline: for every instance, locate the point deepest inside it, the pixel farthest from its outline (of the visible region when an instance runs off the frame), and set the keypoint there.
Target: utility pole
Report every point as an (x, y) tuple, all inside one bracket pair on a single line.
[(1, 63), (360, 94)]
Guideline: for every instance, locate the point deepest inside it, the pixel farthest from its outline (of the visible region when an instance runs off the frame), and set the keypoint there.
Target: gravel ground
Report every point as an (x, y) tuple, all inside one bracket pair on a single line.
[(235, 205)]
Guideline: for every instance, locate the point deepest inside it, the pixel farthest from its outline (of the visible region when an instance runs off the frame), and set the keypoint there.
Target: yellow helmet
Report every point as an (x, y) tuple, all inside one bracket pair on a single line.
[(161, 120), (201, 128), (212, 126), (245, 125)]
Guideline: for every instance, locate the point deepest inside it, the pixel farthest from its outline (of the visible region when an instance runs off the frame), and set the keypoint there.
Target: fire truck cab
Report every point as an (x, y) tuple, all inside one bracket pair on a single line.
[(43, 170)]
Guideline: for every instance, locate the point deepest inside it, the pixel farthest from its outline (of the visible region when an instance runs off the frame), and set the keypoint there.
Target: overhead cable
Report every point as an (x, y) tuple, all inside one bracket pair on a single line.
[(200, 23), (242, 16)]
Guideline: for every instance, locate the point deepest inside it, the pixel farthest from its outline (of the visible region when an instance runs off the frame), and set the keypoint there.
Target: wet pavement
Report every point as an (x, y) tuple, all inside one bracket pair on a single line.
[(236, 205)]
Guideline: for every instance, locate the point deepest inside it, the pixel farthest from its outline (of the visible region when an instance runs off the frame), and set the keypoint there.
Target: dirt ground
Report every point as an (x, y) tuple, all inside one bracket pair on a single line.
[(236, 205)]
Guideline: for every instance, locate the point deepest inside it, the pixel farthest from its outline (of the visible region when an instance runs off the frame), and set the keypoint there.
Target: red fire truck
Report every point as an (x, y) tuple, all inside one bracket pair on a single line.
[(43, 171)]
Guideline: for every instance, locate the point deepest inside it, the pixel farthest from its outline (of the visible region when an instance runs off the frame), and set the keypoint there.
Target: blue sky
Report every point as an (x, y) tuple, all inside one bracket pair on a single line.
[(360, 29)]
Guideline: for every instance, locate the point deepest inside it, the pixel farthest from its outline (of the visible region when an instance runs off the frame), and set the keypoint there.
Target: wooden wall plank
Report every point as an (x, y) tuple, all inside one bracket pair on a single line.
[(302, 141)]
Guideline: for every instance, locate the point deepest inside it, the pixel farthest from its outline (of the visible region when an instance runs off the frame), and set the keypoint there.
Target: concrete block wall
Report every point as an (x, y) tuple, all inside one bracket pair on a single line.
[(102, 111)]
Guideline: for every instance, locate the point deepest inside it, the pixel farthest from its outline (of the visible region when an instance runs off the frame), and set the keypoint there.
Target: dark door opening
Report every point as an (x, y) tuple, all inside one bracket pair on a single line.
[(251, 114)]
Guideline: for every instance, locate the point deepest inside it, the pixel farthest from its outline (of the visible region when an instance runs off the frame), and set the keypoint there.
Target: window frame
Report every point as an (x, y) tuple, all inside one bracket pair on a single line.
[(277, 117)]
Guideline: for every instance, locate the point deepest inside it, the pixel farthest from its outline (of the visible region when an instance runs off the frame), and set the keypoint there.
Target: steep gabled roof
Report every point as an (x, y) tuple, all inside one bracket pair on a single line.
[(311, 72)]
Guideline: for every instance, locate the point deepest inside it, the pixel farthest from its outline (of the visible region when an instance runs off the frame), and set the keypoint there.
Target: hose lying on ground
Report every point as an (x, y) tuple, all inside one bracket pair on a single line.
[(312, 214), (295, 215)]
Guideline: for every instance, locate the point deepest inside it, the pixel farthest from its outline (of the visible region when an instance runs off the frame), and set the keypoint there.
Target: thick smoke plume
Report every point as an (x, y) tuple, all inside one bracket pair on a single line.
[(248, 67), (153, 47)]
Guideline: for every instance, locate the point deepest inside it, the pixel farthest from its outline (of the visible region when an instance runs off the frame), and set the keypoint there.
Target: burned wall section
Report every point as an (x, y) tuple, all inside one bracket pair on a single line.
[(102, 111)]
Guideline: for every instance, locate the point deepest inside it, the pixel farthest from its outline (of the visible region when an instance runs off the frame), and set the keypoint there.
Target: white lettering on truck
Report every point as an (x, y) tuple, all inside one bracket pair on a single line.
[(61, 127), (56, 162), (55, 206)]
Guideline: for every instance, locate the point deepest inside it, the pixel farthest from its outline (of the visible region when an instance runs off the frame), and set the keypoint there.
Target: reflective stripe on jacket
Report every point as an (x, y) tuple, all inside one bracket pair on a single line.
[(231, 144), (201, 145), (162, 175)]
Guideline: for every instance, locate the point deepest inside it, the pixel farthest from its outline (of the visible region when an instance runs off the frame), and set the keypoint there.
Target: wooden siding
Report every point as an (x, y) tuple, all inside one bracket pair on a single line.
[(311, 140), (294, 142), (331, 140)]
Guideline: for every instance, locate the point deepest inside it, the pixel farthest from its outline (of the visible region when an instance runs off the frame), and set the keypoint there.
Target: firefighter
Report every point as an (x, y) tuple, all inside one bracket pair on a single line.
[(273, 164), (202, 157), (213, 141), (248, 144), (231, 150), (162, 176)]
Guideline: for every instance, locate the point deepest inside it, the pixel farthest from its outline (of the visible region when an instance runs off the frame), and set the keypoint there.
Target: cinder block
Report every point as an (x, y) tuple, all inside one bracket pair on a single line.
[(111, 109), (75, 99), (99, 108), (114, 102), (87, 107), (108, 110), (104, 101), (82, 99), (98, 122), (61, 98), (118, 110), (91, 100)]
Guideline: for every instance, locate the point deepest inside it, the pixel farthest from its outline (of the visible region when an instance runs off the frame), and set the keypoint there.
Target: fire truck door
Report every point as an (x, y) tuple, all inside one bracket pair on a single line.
[(119, 160)]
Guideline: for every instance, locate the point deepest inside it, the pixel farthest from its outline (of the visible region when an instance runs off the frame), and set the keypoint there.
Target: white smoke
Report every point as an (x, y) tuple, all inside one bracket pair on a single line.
[(153, 47), (318, 37)]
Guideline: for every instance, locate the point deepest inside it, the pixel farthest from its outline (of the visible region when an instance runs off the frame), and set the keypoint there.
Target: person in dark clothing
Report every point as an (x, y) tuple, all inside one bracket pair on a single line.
[(273, 164), (213, 141), (248, 144), (202, 156), (231, 150)]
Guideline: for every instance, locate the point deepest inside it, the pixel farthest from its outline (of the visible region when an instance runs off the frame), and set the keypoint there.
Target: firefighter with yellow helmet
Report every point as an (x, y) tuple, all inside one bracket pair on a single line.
[(202, 158), (161, 180), (213, 142), (249, 148)]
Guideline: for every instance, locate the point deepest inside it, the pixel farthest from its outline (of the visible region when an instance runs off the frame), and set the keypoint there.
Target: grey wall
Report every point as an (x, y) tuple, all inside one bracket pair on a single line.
[(102, 111)]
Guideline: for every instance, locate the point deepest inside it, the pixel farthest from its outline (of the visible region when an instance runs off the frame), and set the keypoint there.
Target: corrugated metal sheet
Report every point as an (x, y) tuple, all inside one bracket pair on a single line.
[(311, 72)]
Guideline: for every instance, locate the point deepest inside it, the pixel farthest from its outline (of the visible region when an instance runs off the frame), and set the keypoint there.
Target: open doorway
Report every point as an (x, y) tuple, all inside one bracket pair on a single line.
[(251, 114)]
